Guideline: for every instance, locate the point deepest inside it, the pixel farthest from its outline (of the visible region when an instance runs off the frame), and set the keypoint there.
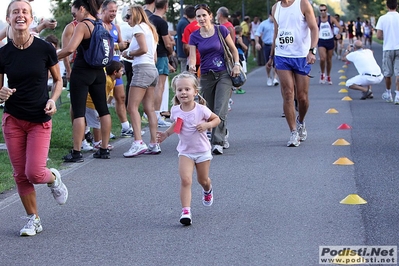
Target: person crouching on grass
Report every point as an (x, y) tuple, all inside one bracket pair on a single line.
[(191, 122)]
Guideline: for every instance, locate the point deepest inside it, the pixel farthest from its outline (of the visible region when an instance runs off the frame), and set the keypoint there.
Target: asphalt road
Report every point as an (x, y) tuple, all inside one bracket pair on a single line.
[(273, 205)]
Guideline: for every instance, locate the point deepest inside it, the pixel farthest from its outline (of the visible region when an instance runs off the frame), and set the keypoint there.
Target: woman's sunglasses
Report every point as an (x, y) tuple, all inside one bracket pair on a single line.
[(127, 16)]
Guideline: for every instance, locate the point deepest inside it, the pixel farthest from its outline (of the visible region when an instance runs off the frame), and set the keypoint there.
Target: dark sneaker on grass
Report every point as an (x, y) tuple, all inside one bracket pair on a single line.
[(73, 158)]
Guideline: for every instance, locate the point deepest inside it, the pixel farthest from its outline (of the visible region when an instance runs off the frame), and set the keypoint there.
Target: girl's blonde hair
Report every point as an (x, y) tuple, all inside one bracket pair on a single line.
[(195, 82), (139, 16)]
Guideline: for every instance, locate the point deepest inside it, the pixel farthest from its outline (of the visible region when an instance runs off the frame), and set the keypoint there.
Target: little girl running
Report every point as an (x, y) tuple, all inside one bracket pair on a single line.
[(191, 122)]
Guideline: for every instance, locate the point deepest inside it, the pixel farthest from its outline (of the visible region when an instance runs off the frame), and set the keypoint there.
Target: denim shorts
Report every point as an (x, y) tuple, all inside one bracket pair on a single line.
[(297, 65), (144, 76), (163, 65), (198, 157)]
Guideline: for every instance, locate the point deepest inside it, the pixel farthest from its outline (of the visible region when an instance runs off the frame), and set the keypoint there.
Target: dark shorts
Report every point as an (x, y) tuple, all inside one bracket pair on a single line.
[(297, 65), (266, 51), (328, 44)]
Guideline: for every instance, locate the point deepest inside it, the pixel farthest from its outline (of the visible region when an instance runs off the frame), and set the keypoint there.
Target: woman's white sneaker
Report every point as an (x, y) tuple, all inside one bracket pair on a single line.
[(33, 226), (58, 188)]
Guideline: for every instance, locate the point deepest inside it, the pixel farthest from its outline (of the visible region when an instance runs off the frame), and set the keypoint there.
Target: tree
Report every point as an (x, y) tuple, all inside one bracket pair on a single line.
[(365, 8), (61, 10)]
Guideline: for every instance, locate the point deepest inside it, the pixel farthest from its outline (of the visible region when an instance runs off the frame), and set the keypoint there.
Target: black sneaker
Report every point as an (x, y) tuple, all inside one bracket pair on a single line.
[(73, 158), (102, 154), (367, 94), (89, 137)]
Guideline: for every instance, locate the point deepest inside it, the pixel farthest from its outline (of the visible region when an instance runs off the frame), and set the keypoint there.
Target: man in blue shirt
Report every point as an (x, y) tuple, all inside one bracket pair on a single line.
[(188, 17), (266, 31)]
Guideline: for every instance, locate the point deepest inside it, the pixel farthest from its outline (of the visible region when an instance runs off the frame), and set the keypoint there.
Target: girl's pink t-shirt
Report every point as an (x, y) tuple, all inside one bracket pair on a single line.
[(192, 141)]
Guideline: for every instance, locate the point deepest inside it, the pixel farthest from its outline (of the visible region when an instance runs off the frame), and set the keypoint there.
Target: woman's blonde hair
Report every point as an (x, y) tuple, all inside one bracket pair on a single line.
[(139, 16), (195, 82), (13, 1)]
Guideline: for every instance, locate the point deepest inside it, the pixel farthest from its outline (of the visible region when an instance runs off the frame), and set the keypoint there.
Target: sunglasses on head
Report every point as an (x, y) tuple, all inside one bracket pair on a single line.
[(202, 6)]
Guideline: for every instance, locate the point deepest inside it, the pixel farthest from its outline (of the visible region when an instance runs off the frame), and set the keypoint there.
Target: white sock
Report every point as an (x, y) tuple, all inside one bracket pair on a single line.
[(186, 208), (397, 93), (125, 125), (87, 129), (95, 143), (158, 113), (388, 90)]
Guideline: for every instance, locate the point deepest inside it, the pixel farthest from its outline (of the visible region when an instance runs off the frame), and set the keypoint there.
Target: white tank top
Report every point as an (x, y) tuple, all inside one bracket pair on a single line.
[(325, 31), (293, 37)]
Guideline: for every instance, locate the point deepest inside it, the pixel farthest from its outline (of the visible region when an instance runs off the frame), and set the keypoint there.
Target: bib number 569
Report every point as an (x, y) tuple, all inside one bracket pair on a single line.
[(286, 40)]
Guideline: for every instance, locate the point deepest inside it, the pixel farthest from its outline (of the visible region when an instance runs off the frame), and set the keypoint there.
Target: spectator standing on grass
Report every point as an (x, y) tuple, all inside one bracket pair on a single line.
[(126, 32), (109, 9), (188, 17), (222, 16), (86, 79), (26, 122), (114, 71), (142, 51), (215, 81), (293, 51), (191, 122), (190, 28), (266, 32), (254, 26), (246, 32), (387, 28), (164, 49), (366, 66)]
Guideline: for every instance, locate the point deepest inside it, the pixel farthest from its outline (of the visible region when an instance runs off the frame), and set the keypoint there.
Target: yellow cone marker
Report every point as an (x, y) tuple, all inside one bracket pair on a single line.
[(342, 83), (346, 98), (341, 71), (353, 199), (344, 66), (341, 142), (349, 260), (343, 161), (342, 77), (343, 90), (332, 111)]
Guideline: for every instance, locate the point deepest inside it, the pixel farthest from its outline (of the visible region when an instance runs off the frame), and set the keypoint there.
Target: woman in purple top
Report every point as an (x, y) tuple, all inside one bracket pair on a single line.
[(215, 81)]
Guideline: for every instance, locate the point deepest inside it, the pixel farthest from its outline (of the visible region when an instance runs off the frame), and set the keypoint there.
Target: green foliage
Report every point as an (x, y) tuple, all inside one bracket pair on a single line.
[(365, 9), (61, 10)]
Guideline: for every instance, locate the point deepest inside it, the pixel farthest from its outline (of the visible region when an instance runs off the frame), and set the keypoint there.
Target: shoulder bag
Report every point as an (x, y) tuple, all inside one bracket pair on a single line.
[(229, 61)]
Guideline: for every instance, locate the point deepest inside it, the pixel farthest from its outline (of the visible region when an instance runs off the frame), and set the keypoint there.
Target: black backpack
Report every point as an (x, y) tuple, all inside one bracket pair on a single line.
[(101, 49)]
